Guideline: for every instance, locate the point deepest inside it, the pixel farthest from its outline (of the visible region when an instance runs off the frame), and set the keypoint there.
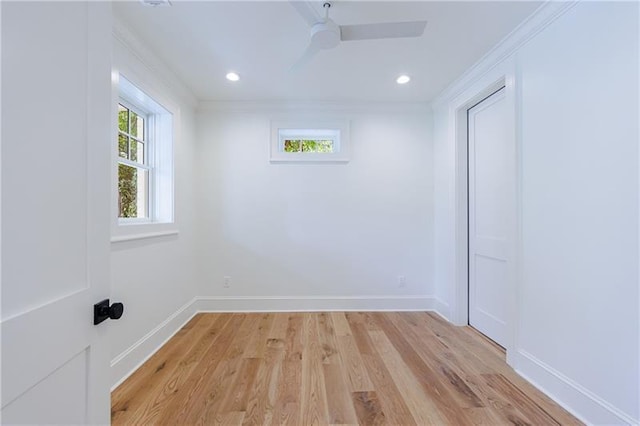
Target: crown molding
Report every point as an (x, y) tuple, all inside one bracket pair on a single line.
[(313, 107), (156, 66), (529, 28)]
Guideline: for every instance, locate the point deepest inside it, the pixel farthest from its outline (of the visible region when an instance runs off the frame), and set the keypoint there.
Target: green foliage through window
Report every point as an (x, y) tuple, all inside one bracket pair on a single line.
[(132, 180), (308, 145), (127, 191)]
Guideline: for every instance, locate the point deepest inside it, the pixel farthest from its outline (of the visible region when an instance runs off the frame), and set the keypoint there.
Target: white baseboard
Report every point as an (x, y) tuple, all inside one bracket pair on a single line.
[(132, 358), (311, 304), (442, 308), (579, 401)]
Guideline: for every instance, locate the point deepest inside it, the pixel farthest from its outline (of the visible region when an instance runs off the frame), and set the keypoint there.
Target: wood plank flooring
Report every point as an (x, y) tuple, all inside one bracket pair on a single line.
[(410, 368)]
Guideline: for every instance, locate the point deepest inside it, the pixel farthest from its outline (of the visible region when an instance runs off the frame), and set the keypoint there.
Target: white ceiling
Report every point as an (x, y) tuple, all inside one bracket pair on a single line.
[(202, 41)]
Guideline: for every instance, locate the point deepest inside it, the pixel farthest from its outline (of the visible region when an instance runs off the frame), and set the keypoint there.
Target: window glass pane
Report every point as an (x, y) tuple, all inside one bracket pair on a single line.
[(137, 151), (123, 119), (133, 184), (140, 128), (137, 125), (143, 193), (308, 146), (325, 146), (291, 145), (123, 146), (127, 191), (321, 146)]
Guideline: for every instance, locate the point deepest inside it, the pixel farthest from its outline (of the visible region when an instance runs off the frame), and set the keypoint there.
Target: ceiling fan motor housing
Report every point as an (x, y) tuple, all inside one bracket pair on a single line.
[(325, 35)]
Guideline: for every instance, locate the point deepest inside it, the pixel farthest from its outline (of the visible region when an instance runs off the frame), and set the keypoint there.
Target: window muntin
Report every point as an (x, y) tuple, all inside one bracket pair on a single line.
[(134, 165)]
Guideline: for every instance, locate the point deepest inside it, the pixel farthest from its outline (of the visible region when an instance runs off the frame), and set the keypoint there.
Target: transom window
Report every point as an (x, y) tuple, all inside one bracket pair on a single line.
[(298, 141), (134, 169)]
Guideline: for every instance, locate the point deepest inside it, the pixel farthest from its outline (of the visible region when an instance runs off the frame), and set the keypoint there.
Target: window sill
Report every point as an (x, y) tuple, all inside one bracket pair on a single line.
[(143, 236)]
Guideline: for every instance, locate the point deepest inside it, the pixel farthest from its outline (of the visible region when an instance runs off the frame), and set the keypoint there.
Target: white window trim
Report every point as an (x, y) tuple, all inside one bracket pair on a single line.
[(337, 130), (162, 126)]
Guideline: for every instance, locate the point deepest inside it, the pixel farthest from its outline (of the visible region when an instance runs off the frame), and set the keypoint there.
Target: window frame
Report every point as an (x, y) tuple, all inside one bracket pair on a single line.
[(336, 130), (162, 127)]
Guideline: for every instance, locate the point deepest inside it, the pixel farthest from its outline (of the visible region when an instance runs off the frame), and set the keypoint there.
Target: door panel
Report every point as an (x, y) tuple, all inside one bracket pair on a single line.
[(60, 398), (490, 281), (489, 148), (31, 335), (44, 168)]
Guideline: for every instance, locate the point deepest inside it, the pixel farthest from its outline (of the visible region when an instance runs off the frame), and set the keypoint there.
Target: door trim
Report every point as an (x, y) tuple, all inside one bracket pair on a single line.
[(503, 74)]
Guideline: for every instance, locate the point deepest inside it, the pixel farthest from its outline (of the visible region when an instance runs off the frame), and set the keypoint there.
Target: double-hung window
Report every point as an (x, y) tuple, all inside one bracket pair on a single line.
[(145, 132), (135, 171)]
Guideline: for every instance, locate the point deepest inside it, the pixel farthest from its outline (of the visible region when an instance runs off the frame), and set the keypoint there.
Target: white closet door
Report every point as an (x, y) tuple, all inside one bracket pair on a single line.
[(489, 148)]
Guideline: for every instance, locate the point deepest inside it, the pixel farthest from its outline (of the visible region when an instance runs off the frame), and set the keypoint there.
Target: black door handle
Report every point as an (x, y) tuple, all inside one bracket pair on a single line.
[(102, 311)]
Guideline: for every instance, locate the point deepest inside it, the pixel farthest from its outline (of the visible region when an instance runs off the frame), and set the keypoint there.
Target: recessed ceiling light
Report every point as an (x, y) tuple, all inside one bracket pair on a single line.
[(403, 79), (232, 76)]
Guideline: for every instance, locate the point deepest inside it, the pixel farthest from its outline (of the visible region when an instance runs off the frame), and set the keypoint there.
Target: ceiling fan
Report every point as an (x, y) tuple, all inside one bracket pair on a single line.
[(326, 34)]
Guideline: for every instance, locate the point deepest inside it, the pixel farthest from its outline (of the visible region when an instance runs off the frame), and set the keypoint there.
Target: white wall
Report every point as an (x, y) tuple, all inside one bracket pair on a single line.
[(156, 277), (444, 236), (577, 315), (580, 192), (323, 231)]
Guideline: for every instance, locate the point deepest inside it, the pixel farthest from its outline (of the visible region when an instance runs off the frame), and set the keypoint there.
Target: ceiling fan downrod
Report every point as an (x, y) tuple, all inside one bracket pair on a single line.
[(326, 6)]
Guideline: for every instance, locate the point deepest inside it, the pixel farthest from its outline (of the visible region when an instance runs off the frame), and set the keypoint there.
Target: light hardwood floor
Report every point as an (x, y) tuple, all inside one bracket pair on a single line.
[(330, 368)]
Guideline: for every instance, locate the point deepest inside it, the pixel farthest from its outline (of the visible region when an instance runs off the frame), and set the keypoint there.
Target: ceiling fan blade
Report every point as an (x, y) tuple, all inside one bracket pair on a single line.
[(308, 54), (306, 10), (383, 30)]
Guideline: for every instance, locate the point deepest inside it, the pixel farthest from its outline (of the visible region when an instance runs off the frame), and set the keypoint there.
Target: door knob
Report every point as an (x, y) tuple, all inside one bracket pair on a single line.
[(102, 310)]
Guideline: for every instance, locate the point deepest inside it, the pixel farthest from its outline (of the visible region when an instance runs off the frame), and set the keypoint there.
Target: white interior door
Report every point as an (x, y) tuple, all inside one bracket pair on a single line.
[(56, 97), (489, 180)]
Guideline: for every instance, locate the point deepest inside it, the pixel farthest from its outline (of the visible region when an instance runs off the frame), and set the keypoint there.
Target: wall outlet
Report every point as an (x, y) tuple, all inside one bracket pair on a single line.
[(402, 281), (227, 282)]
